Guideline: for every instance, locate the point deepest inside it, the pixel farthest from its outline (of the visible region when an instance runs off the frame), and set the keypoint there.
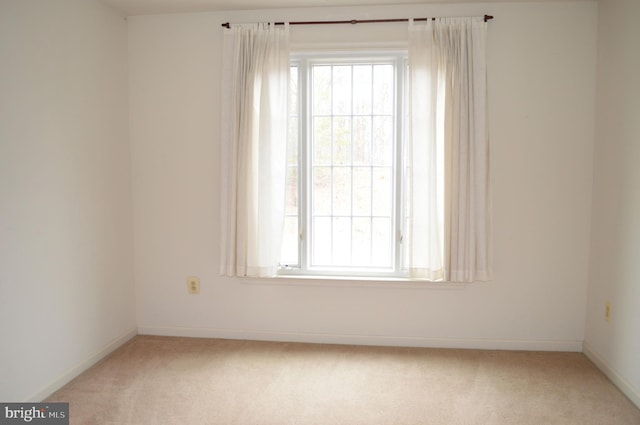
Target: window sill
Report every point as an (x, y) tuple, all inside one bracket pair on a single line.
[(353, 281)]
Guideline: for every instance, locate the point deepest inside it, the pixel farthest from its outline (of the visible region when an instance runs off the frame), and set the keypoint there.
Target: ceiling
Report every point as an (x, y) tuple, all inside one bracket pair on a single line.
[(151, 7)]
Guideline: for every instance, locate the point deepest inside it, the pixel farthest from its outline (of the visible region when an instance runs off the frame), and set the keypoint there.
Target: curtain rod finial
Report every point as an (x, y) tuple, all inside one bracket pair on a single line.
[(226, 25), (488, 18)]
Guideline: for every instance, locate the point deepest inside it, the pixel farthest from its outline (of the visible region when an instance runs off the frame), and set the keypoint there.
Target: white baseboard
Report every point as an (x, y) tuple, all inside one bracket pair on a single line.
[(82, 366), (376, 340), (625, 386)]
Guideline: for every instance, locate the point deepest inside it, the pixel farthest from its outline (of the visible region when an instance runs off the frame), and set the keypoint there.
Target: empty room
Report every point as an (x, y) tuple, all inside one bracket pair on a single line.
[(319, 212)]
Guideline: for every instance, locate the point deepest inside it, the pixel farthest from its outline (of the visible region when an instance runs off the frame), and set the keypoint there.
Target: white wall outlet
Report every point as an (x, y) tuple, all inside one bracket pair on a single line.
[(193, 285)]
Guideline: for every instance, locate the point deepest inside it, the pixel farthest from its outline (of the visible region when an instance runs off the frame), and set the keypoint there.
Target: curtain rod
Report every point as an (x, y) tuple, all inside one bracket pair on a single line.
[(354, 21)]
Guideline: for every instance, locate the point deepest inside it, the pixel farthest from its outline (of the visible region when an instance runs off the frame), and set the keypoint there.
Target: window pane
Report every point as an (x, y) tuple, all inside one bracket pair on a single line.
[(341, 191), (321, 190), (321, 255), (383, 89), (341, 90), (362, 80), (321, 90), (289, 254), (381, 238), (362, 191), (361, 242), (382, 191), (293, 90), (291, 195), (382, 140), (362, 140), (292, 141), (322, 140), (290, 240), (341, 241), (406, 190), (342, 140)]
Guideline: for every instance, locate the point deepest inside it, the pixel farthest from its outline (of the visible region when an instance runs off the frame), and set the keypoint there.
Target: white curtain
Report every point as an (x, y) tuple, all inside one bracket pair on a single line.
[(449, 226), (253, 145)]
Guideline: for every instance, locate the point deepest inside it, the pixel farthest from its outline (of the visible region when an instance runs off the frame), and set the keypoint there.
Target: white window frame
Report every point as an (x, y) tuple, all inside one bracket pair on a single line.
[(304, 61)]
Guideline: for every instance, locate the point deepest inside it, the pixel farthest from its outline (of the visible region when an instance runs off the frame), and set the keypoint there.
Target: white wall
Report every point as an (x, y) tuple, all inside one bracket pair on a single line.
[(66, 269), (615, 243), (542, 75)]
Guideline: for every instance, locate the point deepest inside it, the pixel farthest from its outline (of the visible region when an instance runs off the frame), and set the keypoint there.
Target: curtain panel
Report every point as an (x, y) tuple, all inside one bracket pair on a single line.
[(449, 228), (253, 146)]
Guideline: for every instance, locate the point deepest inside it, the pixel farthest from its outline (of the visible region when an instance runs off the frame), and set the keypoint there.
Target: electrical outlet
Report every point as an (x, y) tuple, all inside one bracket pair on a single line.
[(607, 311), (193, 285)]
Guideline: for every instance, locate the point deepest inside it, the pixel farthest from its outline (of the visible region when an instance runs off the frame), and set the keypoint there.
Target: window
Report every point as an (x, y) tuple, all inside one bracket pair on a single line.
[(357, 204), (344, 160)]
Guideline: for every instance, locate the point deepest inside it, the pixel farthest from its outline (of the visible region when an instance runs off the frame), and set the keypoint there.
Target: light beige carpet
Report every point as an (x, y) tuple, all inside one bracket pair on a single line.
[(161, 380)]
